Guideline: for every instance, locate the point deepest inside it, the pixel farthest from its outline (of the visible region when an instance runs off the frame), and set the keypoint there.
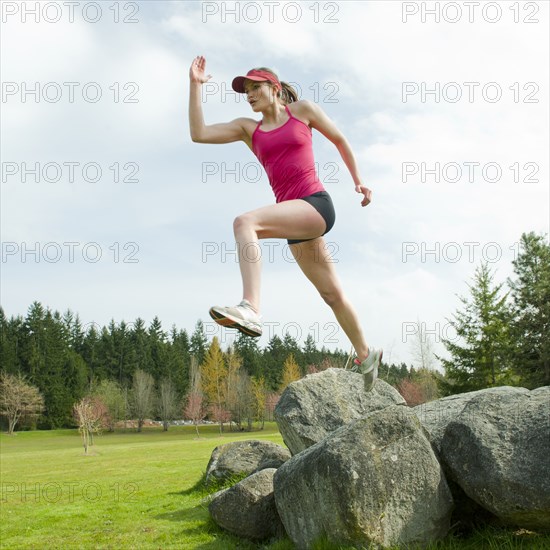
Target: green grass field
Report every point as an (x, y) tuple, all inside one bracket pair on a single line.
[(140, 491)]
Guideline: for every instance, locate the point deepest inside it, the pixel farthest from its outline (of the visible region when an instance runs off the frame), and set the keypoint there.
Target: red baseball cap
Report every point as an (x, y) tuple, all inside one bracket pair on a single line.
[(254, 74)]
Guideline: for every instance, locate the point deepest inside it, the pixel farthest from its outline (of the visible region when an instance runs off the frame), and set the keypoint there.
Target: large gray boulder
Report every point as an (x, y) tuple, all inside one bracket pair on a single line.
[(244, 457), (498, 451), (248, 508), (436, 415), (316, 405), (374, 480)]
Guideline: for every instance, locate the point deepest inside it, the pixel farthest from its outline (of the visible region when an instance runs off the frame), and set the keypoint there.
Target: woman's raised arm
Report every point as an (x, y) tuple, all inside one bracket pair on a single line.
[(225, 132)]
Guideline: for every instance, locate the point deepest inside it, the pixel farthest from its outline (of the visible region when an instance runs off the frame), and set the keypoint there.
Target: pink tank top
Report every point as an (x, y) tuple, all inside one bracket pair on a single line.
[(286, 153)]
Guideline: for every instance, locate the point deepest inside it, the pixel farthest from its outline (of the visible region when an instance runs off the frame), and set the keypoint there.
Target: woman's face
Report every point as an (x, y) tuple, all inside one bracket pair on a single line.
[(258, 94)]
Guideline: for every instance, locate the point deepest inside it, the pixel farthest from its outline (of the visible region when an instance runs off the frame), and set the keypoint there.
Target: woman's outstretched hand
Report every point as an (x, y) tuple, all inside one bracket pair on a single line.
[(196, 72), (366, 192)]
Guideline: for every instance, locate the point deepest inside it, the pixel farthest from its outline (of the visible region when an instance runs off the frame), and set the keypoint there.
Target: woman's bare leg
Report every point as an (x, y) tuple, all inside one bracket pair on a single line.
[(293, 219), (315, 262)]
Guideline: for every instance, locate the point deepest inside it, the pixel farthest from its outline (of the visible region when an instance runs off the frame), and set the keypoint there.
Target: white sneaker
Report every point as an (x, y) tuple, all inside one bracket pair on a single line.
[(369, 367), (242, 317)]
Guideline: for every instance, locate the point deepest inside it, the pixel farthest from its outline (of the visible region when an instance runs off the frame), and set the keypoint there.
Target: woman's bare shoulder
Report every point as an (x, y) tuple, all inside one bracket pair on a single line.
[(300, 106), (301, 109)]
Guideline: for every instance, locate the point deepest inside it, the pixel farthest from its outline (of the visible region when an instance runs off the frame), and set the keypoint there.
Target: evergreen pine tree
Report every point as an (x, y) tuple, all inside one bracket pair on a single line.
[(531, 311), (91, 353), (140, 347), (199, 342), (11, 335), (482, 357), (251, 356), (310, 353), (273, 358), (178, 360), (157, 350)]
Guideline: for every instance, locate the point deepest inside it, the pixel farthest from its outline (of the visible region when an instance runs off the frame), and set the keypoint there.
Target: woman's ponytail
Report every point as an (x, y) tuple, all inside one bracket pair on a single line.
[(288, 94)]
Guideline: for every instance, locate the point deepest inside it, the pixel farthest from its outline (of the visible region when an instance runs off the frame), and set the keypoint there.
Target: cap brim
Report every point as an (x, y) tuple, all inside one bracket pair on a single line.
[(238, 82)]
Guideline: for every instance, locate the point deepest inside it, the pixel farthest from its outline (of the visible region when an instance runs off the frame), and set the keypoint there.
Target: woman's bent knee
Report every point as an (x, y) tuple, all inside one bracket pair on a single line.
[(241, 222), (332, 297)]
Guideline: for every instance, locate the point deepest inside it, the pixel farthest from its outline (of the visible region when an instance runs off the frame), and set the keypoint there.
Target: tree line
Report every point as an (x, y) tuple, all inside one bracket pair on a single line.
[(66, 361)]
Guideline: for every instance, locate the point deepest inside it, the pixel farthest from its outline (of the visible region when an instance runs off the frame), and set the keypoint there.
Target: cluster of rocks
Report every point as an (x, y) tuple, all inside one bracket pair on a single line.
[(133, 423), (364, 468)]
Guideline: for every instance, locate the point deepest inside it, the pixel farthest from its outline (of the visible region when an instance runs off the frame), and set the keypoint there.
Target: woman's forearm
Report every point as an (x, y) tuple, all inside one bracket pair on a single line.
[(348, 157), (196, 121)]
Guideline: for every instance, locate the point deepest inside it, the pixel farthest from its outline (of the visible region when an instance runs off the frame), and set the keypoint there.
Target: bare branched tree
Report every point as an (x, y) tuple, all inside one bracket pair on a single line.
[(167, 402), (91, 415), (18, 399), (422, 348), (194, 408), (143, 396), (270, 403), (246, 399)]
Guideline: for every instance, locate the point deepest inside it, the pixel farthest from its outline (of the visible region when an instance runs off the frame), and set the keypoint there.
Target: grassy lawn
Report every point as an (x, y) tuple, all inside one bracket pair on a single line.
[(138, 491)]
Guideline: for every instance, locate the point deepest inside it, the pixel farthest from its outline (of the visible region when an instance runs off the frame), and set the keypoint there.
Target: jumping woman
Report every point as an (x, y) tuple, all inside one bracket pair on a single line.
[(303, 213)]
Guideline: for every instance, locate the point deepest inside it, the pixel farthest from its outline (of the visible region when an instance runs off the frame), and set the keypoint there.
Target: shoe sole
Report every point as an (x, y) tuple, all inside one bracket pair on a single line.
[(370, 377), (228, 322)]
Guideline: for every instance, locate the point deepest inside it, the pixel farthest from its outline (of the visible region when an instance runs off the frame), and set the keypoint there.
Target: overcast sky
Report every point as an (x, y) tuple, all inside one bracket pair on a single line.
[(446, 112)]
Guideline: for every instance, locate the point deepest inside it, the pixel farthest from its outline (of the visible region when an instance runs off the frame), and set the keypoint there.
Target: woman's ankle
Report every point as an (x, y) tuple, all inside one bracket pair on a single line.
[(363, 355), (253, 305)]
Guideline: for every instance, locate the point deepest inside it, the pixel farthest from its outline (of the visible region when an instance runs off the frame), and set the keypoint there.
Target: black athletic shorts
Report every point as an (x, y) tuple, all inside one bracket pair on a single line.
[(322, 202)]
